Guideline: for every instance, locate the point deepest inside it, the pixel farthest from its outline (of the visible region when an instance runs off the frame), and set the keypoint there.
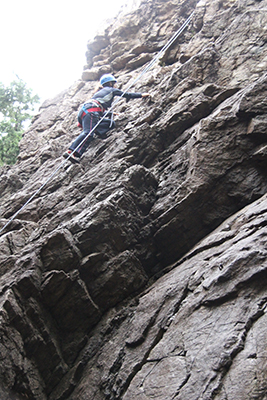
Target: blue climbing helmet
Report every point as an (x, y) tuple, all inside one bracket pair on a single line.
[(107, 78)]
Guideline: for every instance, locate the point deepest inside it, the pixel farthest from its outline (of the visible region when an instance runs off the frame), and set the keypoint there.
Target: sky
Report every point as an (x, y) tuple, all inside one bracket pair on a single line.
[(44, 42)]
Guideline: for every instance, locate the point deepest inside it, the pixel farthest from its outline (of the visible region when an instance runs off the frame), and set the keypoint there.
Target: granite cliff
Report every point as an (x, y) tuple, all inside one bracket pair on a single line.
[(141, 273)]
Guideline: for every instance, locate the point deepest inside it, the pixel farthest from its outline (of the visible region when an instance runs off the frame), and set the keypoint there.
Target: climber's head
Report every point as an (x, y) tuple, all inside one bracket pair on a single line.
[(108, 80)]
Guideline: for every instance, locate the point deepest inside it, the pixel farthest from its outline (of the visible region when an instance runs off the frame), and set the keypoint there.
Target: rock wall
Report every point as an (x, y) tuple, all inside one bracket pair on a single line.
[(141, 272)]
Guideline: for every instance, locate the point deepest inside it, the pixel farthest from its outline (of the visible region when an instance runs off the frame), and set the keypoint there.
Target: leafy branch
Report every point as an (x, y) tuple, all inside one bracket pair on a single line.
[(17, 105)]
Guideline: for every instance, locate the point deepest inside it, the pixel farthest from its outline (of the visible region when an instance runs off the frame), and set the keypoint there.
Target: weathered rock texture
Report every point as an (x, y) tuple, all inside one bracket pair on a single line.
[(142, 272)]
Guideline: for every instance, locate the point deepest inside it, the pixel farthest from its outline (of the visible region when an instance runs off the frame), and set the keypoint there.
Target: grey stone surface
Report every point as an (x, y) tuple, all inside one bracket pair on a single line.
[(141, 272)]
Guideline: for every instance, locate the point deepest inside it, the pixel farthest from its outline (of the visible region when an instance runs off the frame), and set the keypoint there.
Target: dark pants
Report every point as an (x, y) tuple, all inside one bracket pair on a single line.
[(89, 122)]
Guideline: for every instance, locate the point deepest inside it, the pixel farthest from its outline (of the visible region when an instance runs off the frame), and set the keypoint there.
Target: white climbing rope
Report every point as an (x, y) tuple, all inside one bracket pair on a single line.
[(143, 72)]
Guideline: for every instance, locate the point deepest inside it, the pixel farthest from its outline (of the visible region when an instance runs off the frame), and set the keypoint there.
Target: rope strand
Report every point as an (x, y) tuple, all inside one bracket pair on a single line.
[(143, 72)]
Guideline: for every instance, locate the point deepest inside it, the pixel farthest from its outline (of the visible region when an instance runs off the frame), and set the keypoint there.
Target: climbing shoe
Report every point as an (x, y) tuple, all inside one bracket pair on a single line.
[(74, 159)]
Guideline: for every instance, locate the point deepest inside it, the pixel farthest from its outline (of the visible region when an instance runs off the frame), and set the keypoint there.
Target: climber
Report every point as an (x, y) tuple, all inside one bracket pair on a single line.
[(91, 114)]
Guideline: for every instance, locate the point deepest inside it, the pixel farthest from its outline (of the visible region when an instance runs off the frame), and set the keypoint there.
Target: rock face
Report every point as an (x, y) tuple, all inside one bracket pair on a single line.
[(142, 272)]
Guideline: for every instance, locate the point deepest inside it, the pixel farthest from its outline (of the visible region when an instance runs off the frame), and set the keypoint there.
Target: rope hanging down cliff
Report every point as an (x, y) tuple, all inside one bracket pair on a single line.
[(143, 72)]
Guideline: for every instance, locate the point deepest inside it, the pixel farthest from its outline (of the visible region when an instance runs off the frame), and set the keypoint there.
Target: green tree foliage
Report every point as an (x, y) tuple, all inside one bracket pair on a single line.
[(16, 108)]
